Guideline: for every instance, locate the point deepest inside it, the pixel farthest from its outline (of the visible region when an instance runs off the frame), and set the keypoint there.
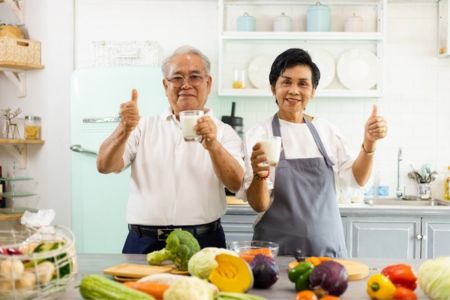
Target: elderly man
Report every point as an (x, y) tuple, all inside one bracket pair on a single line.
[(174, 183)]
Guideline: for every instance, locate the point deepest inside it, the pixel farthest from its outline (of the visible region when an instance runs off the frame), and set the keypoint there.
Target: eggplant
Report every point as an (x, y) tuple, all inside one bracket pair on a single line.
[(265, 271), (330, 278)]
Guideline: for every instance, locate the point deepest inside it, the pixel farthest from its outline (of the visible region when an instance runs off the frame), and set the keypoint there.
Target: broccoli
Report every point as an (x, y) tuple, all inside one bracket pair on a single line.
[(180, 246)]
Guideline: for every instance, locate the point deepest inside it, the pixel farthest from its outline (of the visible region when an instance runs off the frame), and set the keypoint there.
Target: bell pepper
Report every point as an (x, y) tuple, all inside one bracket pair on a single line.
[(401, 275), (380, 287), (300, 275), (402, 293)]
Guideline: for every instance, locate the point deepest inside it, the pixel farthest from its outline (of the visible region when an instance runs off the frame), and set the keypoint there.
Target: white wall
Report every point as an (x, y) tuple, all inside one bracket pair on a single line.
[(51, 22), (416, 102)]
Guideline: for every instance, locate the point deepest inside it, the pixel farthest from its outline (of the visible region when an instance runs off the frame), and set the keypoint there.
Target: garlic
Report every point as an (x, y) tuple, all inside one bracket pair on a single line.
[(11, 268), (45, 272), (27, 281)]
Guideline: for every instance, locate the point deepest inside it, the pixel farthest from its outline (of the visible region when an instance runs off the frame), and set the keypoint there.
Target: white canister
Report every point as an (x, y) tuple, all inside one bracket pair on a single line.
[(354, 24), (282, 23)]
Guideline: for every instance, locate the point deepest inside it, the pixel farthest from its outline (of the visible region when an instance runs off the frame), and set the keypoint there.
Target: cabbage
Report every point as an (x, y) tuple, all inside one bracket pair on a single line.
[(203, 262), (189, 288), (434, 278)]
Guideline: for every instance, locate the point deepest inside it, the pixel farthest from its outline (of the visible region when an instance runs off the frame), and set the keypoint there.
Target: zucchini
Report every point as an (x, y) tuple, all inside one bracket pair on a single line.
[(101, 288)]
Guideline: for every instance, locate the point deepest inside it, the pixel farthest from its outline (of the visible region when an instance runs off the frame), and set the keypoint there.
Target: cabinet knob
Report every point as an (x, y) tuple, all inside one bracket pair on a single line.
[(419, 236)]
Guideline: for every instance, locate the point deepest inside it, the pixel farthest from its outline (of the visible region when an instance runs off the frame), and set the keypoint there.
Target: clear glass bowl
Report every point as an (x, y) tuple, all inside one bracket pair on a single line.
[(36, 264), (249, 249)]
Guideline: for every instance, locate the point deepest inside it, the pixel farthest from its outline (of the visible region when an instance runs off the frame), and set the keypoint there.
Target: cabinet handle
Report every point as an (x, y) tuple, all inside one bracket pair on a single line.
[(80, 149), (419, 237)]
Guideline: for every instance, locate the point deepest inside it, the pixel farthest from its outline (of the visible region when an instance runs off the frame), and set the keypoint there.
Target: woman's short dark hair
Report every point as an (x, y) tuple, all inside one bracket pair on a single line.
[(291, 58)]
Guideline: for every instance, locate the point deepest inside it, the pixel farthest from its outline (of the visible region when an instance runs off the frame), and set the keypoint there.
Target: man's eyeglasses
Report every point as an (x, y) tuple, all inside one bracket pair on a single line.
[(193, 80)]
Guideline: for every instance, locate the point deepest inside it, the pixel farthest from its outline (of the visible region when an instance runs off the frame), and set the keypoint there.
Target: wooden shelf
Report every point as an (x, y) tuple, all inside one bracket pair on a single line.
[(20, 142), (15, 66)]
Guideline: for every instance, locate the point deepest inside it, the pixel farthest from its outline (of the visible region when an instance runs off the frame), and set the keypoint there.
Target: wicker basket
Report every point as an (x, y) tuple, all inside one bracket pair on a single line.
[(19, 51), (63, 259)]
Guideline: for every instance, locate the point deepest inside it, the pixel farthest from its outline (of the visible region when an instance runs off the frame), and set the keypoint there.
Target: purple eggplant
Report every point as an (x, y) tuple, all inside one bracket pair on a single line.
[(330, 277), (265, 271)]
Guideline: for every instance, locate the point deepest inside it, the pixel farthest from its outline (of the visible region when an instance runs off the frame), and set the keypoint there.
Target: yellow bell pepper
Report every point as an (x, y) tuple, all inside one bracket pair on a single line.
[(379, 287)]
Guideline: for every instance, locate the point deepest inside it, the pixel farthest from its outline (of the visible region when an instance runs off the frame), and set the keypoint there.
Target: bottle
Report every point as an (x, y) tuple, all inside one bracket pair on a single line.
[(2, 190), (32, 127), (447, 185)]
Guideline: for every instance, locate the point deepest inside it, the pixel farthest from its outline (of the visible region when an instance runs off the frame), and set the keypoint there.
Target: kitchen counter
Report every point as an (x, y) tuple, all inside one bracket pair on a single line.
[(362, 209), (283, 289)]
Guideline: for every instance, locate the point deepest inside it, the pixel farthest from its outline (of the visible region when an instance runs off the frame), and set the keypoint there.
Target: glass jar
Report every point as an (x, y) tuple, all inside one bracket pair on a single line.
[(239, 78), (32, 127)]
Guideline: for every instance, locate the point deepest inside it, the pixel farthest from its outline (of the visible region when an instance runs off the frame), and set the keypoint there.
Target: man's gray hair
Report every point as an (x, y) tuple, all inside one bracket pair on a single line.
[(186, 50)]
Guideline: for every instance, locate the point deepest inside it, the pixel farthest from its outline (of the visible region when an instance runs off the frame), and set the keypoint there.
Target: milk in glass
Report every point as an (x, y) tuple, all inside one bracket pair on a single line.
[(188, 120), (272, 148)]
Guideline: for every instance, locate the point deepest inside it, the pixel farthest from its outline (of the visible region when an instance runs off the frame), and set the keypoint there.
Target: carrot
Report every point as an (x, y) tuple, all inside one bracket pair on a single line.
[(249, 254), (153, 289), (317, 260)]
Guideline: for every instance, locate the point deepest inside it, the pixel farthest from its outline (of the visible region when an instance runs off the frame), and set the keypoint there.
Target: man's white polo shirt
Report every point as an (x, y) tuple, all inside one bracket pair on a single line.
[(172, 181)]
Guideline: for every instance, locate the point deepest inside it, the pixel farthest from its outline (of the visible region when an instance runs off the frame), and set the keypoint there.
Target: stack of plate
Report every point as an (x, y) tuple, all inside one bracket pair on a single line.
[(358, 69)]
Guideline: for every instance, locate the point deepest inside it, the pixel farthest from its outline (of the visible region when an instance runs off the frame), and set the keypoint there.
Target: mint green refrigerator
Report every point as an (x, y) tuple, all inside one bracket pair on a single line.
[(99, 201)]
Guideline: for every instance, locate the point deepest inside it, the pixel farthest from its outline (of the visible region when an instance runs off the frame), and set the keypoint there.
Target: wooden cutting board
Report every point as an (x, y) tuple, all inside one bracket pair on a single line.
[(136, 271), (355, 270)]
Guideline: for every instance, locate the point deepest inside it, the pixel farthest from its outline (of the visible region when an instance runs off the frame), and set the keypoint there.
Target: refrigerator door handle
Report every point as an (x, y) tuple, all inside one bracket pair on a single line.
[(102, 120), (80, 149)]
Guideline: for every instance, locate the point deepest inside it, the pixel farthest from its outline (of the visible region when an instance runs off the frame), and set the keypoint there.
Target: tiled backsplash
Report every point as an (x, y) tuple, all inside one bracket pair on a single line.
[(416, 102)]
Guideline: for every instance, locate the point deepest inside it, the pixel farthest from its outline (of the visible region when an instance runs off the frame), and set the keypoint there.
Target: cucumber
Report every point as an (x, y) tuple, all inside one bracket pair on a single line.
[(101, 288)]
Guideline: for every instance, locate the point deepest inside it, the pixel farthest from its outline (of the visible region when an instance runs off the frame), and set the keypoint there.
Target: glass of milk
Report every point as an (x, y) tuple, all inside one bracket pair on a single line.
[(188, 120), (272, 148)]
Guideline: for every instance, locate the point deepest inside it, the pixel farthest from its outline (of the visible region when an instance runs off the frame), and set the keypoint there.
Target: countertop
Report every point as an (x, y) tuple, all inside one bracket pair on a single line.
[(283, 289)]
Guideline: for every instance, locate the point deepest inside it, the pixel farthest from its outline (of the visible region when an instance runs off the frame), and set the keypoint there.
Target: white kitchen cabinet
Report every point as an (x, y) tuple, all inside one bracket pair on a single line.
[(239, 50), (384, 237), (443, 28), (435, 237)]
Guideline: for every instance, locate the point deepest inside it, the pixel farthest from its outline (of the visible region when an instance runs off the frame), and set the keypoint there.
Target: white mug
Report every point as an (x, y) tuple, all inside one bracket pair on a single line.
[(188, 120)]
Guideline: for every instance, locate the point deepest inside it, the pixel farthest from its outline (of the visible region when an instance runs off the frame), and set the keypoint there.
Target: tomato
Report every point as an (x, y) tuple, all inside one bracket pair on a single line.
[(329, 297), (306, 295)]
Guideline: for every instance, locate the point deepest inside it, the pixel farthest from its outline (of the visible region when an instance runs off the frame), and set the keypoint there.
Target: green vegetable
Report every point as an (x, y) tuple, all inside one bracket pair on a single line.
[(189, 288), (97, 287), (203, 262), (434, 277), (64, 264), (299, 269), (180, 246), (237, 296), (300, 275)]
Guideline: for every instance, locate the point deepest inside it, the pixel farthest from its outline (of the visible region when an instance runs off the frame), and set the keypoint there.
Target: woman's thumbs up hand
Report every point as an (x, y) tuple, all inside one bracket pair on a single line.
[(129, 113), (375, 129)]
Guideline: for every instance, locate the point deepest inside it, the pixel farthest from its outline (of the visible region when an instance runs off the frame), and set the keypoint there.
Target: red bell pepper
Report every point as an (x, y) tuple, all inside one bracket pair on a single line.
[(401, 275), (402, 293)]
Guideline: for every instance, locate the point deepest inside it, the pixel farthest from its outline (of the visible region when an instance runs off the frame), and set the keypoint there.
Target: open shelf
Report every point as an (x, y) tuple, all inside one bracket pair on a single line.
[(20, 142), (17, 66)]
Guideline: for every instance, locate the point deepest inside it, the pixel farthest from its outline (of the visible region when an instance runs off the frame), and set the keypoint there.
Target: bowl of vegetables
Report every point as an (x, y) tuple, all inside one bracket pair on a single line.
[(36, 263), (249, 249)]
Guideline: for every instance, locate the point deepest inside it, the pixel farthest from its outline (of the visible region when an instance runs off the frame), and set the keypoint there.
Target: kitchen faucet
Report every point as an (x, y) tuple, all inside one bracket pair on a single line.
[(399, 193)]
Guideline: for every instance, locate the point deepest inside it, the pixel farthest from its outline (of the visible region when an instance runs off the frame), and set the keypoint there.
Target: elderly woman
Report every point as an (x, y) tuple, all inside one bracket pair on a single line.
[(297, 200)]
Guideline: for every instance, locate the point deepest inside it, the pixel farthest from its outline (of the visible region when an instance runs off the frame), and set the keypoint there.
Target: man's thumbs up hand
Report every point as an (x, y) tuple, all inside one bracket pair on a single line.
[(129, 113)]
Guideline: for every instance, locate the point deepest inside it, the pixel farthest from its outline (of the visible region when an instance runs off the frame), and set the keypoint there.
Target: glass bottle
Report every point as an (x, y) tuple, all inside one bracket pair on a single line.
[(32, 127), (447, 185)]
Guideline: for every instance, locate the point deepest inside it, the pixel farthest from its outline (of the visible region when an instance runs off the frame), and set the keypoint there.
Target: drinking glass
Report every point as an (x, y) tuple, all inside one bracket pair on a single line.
[(188, 120)]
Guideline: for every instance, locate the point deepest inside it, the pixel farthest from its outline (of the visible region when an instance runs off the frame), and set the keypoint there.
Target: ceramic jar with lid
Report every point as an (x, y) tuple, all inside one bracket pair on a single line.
[(318, 18), (282, 23), (32, 127), (354, 24), (246, 23)]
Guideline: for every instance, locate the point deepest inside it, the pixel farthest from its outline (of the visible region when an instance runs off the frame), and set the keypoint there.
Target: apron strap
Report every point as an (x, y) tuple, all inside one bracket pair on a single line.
[(277, 132), (319, 143)]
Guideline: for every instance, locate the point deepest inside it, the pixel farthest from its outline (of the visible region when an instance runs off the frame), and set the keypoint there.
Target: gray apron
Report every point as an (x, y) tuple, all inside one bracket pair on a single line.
[(304, 213)]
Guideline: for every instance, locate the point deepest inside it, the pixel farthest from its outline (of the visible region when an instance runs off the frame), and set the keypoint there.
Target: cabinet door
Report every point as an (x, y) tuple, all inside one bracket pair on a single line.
[(436, 237), (383, 237), (238, 227), (346, 225)]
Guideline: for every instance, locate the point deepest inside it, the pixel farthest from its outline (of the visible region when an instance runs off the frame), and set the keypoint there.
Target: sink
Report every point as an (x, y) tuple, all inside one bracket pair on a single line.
[(395, 201)]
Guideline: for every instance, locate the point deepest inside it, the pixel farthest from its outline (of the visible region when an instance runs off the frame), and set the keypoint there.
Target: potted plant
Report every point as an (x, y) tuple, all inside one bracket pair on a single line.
[(423, 177)]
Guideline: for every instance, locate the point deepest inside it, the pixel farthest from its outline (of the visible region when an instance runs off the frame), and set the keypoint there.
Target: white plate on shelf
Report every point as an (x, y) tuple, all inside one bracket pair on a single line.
[(358, 69), (259, 70), (326, 64)]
